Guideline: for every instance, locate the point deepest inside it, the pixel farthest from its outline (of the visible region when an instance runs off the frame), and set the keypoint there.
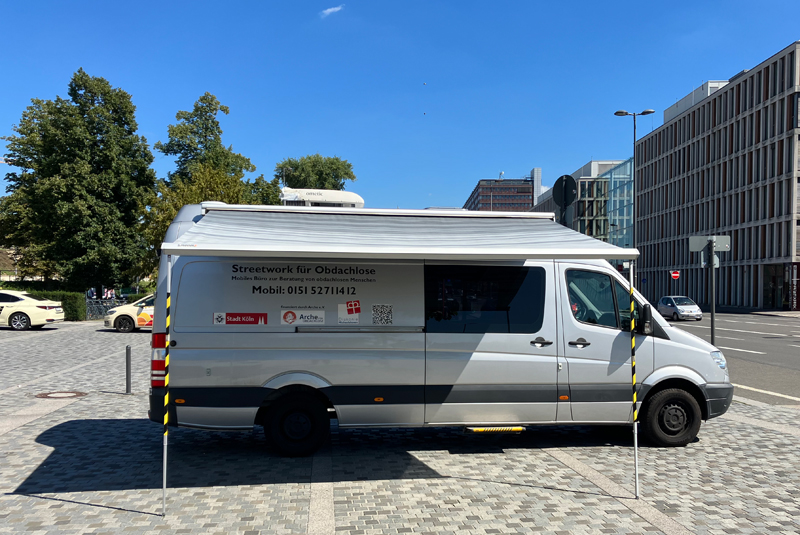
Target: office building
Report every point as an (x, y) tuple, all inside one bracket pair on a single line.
[(726, 161), (502, 195), (619, 209), (587, 214), (536, 178)]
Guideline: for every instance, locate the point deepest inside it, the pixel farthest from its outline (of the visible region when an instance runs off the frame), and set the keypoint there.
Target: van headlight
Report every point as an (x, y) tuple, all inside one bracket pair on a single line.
[(719, 358)]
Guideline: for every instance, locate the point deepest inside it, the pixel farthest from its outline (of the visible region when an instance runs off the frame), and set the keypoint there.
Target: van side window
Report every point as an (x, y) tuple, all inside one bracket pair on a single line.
[(624, 306), (591, 297), (484, 299)]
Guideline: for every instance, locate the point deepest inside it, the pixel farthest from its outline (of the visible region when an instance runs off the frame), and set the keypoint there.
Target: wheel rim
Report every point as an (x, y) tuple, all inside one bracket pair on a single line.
[(19, 321), (297, 425), (125, 324), (675, 316), (674, 418)]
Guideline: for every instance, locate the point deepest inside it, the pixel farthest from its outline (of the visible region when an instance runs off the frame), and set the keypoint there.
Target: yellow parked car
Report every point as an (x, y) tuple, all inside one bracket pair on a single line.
[(127, 318), (21, 310)]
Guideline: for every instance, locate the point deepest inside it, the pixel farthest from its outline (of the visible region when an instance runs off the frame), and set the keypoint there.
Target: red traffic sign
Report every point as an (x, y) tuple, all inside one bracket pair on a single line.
[(675, 274)]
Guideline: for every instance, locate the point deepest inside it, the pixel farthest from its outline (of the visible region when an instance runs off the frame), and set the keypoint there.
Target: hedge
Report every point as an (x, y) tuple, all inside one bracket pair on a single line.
[(73, 303), (32, 286), (132, 298)]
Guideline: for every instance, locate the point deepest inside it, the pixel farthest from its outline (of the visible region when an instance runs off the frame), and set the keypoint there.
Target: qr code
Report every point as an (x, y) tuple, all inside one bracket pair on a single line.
[(382, 314)]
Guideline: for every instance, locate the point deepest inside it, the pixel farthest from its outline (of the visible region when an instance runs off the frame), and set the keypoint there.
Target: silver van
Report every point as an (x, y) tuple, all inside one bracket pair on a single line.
[(285, 317)]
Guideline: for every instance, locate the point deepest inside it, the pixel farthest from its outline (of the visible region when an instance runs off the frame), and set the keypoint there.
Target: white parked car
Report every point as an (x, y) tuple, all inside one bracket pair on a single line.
[(127, 318), (21, 310), (679, 307)]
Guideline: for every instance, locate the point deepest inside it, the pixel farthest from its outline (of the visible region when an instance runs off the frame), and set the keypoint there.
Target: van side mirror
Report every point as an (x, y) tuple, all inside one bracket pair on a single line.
[(645, 324)]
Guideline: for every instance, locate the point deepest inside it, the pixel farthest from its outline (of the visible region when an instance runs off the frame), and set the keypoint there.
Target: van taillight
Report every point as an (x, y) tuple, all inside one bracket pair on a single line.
[(158, 341), (157, 373)]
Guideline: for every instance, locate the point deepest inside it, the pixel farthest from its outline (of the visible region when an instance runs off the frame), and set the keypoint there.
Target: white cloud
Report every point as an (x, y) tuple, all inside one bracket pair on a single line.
[(326, 12)]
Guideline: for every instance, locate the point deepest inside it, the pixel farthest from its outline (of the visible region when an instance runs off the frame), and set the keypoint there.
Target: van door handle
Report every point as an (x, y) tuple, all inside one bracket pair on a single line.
[(580, 343), (541, 342)]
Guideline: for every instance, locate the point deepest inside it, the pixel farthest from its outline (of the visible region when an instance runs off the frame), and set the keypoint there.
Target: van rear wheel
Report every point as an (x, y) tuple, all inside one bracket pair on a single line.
[(297, 425), (672, 418)]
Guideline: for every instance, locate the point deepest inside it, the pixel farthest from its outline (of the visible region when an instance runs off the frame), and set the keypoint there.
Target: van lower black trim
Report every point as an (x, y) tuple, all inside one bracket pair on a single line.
[(366, 394), (491, 393), (601, 393), (254, 396)]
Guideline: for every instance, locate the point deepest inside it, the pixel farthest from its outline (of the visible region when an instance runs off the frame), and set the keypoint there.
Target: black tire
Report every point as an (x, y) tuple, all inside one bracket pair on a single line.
[(19, 321), (124, 324), (297, 425), (672, 418), (674, 316), (699, 319)]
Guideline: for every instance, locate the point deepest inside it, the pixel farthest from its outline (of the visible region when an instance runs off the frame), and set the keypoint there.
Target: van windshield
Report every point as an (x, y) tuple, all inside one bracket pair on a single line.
[(683, 301)]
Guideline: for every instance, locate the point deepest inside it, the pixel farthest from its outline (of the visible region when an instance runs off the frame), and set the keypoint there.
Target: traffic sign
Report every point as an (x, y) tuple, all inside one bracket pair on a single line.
[(698, 243), (675, 274), (704, 263), (564, 191)]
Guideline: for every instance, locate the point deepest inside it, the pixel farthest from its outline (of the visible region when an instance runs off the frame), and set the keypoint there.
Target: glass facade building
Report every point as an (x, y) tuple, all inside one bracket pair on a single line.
[(620, 204)]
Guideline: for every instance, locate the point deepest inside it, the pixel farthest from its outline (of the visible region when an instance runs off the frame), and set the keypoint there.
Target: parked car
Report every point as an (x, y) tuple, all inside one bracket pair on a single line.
[(21, 311), (679, 307), (127, 318)]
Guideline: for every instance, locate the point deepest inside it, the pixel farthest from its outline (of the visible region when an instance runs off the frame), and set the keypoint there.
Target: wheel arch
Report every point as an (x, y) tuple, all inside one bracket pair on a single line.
[(291, 383), (125, 316), (30, 323), (680, 383)]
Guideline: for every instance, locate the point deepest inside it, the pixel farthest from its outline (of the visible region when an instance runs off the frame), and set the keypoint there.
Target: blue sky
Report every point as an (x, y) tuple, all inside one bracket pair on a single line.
[(423, 98)]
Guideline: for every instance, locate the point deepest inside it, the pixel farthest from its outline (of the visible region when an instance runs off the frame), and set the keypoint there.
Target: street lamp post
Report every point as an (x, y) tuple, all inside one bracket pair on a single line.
[(623, 113)]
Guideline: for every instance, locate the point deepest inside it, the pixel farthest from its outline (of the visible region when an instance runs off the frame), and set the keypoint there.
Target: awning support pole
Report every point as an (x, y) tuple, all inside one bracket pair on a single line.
[(633, 376), (166, 392)]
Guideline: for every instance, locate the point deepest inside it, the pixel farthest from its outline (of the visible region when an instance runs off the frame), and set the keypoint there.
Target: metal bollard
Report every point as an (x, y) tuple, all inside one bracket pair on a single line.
[(127, 369)]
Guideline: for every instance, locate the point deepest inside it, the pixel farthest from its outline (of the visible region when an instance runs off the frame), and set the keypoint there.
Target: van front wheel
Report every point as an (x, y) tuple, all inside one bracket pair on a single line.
[(297, 425), (672, 418)]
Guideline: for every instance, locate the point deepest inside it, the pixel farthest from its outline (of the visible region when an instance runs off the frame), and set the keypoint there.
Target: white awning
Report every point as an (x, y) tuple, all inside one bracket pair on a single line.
[(298, 232)]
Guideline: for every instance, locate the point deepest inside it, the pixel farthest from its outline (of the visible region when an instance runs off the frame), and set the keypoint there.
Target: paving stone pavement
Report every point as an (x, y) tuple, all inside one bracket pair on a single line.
[(93, 465)]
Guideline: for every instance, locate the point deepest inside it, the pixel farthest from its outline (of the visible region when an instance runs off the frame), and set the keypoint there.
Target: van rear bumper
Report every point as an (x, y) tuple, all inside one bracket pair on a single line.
[(718, 398), (156, 412)]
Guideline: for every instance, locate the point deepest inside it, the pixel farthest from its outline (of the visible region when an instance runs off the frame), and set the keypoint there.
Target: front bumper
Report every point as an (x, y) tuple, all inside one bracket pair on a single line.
[(691, 316), (718, 398), (107, 322)]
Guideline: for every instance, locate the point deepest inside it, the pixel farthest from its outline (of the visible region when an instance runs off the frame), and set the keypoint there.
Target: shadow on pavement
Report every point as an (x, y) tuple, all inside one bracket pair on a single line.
[(123, 454)]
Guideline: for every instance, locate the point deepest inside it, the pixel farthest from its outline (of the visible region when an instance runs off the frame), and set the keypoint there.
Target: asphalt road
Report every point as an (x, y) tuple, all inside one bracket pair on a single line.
[(763, 353)]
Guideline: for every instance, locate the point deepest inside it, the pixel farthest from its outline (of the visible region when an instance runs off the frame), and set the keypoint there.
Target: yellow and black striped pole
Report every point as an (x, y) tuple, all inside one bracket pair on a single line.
[(633, 384), (166, 389)]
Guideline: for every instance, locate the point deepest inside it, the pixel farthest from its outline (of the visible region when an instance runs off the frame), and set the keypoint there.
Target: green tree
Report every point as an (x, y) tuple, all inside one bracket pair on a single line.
[(197, 139), (74, 207), (315, 172), (208, 183), (262, 192)]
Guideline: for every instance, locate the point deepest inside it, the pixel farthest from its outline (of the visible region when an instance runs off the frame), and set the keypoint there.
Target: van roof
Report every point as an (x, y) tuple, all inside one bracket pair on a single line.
[(363, 233)]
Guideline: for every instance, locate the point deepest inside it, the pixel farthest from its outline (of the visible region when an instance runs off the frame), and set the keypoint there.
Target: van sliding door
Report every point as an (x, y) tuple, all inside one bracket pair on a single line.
[(491, 351)]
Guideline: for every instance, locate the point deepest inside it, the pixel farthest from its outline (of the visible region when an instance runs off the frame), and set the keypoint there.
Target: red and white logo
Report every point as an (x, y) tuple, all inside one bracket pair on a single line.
[(289, 317), (240, 318), (354, 307)]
